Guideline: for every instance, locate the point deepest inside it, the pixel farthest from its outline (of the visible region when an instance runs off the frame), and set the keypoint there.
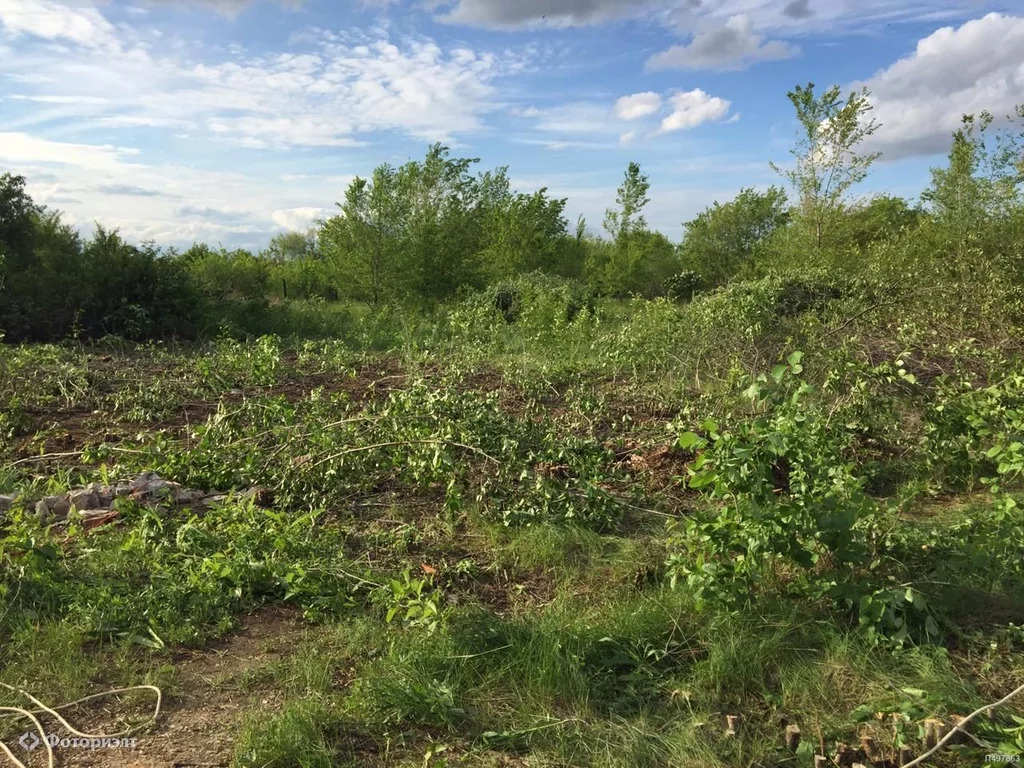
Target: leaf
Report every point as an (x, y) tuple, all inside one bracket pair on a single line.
[(778, 372), (688, 440)]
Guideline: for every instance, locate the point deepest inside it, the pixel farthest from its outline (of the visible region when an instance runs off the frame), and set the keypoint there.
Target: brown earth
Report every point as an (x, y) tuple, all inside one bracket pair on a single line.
[(200, 719)]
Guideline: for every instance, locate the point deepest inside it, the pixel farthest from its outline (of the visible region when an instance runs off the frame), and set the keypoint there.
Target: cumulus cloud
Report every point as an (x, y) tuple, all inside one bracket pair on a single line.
[(689, 17), (693, 108), (733, 46), (920, 99), (617, 126), (501, 14), (638, 105), (300, 218), (798, 9)]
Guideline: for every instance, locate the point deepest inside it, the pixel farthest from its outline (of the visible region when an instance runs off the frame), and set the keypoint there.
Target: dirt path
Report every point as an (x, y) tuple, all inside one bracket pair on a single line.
[(199, 722)]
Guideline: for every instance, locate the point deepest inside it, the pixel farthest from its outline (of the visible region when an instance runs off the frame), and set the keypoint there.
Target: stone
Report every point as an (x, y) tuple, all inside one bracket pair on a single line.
[(104, 493), (53, 508), (139, 483), (186, 496), (6, 502), (84, 499), (122, 490), (59, 506), (157, 490), (43, 511)]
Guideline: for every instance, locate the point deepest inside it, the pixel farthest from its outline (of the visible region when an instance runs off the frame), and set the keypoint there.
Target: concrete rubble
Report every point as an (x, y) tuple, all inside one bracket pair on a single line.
[(96, 502)]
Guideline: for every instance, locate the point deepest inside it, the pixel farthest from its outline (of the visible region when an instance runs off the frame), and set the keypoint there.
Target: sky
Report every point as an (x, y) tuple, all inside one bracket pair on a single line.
[(227, 121)]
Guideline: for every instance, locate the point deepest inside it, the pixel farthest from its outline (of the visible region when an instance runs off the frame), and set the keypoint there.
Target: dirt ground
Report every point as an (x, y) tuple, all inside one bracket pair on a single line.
[(197, 726)]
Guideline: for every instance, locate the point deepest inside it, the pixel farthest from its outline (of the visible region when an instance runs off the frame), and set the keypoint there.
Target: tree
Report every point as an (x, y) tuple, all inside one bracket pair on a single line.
[(366, 243), (631, 198), (637, 261), (880, 218), (445, 224), (523, 233), (827, 160), (723, 239), (979, 191), (293, 245), (17, 212)]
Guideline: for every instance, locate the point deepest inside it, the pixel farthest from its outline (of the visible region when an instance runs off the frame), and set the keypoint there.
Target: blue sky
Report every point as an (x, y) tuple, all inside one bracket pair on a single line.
[(229, 120)]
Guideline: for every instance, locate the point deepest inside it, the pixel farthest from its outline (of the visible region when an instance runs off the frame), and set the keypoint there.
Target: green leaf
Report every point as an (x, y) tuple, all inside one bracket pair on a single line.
[(688, 440)]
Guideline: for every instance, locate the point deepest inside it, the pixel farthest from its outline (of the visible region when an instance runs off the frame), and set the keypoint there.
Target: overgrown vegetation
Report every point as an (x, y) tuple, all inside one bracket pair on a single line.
[(540, 498)]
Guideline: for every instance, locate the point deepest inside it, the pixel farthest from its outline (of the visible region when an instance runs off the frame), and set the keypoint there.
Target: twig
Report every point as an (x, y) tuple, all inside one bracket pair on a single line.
[(362, 448), (960, 726), (45, 457)]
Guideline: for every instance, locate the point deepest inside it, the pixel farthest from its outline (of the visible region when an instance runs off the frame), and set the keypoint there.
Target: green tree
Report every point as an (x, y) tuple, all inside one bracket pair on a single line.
[(978, 194), (292, 245), (366, 244), (828, 162), (631, 198), (636, 261), (879, 219), (17, 214), (523, 233), (724, 239), (445, 224)]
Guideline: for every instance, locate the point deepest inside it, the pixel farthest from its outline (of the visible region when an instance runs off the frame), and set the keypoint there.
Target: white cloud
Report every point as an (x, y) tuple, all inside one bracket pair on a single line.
[(169, 204), (53, 20), (335, 89), (686, 110), (920, 99), (638, 105), (692, 108), (300, 218), (22, 148), (732, 46), (575, 118)]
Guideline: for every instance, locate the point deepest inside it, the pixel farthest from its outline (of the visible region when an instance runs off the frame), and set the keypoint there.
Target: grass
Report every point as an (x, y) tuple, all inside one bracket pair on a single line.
[(479, 554)]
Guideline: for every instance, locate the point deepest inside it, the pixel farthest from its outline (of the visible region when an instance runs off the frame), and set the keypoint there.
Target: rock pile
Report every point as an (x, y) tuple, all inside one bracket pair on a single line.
[(95, 502)]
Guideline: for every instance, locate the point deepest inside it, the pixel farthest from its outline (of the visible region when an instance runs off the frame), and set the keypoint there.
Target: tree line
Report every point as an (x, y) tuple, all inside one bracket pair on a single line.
[(428, 231)]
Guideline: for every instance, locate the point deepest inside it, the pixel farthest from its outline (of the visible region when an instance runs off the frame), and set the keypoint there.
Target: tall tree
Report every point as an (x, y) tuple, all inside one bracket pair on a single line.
[(828, 161), (979, 190), (637, 261), (631, 198), (17, 212), (365, 244)]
